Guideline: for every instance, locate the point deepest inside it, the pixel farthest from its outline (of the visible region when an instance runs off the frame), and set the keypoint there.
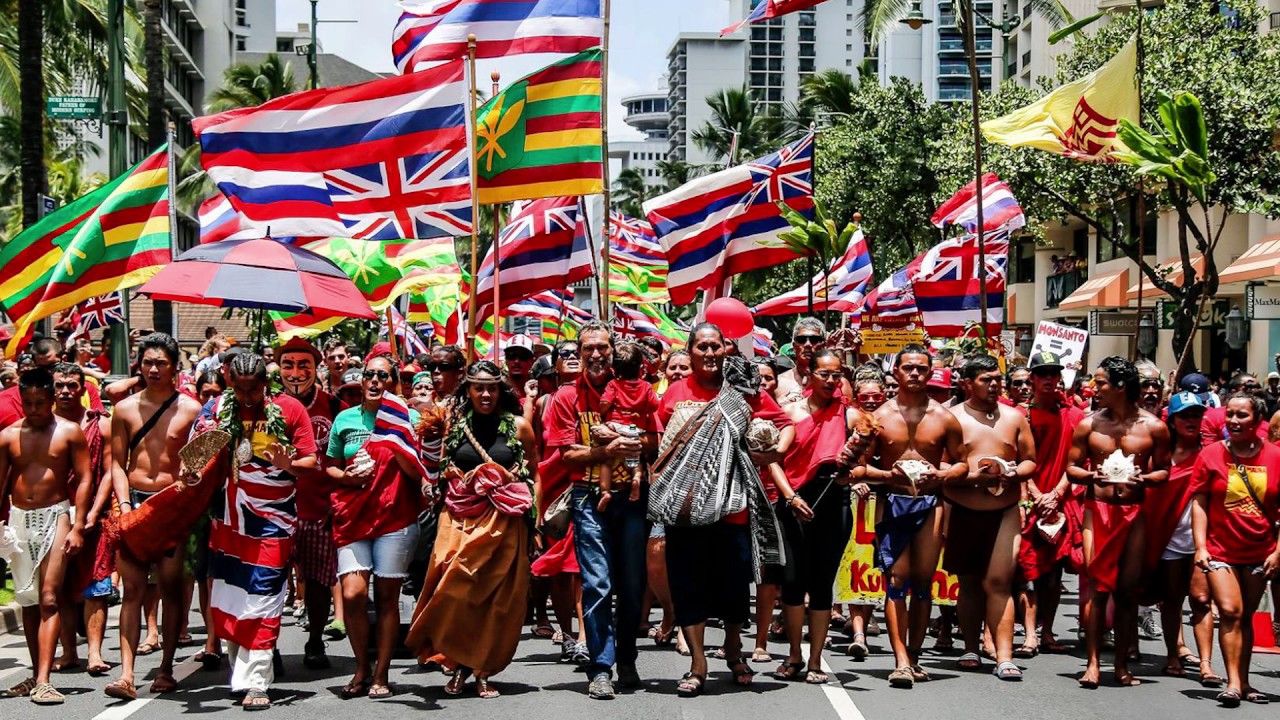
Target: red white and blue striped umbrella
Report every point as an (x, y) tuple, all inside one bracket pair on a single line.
[(261, 274)]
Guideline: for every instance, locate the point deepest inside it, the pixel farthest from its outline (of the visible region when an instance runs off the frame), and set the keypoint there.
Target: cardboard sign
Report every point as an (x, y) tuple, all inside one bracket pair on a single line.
[(889, 340), (1064, 341), (859, 582)]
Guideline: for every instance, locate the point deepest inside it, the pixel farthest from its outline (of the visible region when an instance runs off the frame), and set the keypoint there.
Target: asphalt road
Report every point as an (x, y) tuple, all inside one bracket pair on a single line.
[(537, 686)]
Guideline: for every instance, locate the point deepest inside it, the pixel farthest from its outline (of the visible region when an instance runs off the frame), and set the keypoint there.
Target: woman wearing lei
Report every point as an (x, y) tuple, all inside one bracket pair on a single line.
[(472, 607)]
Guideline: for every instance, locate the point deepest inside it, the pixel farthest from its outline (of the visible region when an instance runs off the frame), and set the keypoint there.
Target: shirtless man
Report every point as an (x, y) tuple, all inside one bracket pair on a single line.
[(909, 537), (1113, 530), (144, 461), (37, 455), (807, 337), (984, 530), (88, 579)]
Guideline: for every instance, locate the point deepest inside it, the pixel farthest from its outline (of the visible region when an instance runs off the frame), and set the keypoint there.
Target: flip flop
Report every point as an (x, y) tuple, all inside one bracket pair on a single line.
[(1211, 681), (377, 692), (1026, 652), (255, 700), (690, 685), (969, 661), (1128, 680), (98, 670), (816, 677), (355, 690), (918, 674), (1229, 698), (146, 648), (1189, 660), (163, 684), (742, 672), (1257, 698), (1008, 671), (761, 656), (1087, 684), (789, 671)]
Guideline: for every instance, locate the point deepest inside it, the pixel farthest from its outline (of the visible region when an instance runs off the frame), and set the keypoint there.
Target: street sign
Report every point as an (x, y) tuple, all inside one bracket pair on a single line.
[(47, 205), (73, 107), (302, 49), (1264, 302)]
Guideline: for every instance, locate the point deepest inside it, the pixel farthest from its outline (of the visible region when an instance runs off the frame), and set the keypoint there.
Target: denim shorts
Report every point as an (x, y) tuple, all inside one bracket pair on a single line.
[(387, 556), (100, 589)]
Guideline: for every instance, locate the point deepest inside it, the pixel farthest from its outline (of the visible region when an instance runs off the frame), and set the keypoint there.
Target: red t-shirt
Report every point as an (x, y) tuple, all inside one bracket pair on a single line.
[(11, 403), (628, 400), (1213, 427), (570, 414), (1052, 430), (1240, 532), (314, 486), (689, 391)]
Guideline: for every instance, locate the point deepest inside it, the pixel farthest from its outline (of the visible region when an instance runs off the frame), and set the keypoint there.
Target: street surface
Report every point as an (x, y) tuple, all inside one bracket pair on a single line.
[(538, 687)]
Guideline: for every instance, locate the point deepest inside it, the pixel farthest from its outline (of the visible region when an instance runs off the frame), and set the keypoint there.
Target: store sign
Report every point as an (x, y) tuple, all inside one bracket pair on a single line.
[(73, 107), (1114, 323), (1213, 316), (1264, 302)]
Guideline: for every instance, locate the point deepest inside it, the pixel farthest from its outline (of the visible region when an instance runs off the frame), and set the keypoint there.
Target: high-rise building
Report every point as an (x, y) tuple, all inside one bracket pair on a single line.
[(1028, 56), (648, 114)]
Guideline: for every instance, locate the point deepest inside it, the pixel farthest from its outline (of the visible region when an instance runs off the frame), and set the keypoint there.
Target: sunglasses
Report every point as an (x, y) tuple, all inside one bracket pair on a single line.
[(807, 340), (443, 367), (382, 375), (567, 353), (1019, 383)]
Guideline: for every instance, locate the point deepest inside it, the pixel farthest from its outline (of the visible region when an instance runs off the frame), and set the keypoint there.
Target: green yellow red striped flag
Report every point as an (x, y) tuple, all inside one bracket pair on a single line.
[(634, 284), (541, 136), (114, 238), (382, 271)]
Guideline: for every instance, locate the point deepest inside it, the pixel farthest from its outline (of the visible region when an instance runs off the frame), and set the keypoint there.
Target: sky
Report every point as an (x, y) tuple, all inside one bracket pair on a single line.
[(642, 32)]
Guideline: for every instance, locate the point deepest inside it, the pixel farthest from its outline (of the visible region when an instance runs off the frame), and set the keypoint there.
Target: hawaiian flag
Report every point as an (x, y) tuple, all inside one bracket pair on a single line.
[(728, 222), (842, 289), (1000, 209), (894, 297), (550, 305), (411, 343), (435, 30), (219, 221), (762, 342), (769, 9), (377, 160), (393, 430), (946, 285), (95, 313), (633, 241), (544, 246)]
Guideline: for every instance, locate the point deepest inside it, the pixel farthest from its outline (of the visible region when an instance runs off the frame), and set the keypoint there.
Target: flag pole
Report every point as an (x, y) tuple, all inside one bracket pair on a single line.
[(475, 198), (1142, 197), (169, 131), (975, 82), (497, 254), (606, 225), (391, 335)]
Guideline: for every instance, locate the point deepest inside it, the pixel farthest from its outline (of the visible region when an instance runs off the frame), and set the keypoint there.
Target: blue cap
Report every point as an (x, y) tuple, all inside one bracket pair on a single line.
[(1184, 401)]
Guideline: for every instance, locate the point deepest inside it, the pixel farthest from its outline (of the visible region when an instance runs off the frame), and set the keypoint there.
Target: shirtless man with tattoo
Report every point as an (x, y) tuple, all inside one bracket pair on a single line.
[(147, 431), (1113, 525), (37, 455), (984, 530), (909, 536)]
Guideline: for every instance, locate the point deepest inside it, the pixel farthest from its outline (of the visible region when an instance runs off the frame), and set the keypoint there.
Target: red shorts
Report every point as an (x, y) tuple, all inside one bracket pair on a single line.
[(314, 552)]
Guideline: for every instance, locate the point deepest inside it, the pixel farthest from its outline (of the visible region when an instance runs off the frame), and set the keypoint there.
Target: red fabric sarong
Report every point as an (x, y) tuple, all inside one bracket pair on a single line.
[(1162, 508), (819, 440), (1111, 526)]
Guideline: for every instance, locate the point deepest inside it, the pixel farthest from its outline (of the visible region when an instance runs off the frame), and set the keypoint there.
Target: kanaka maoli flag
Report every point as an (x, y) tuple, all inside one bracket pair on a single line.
[(728, 222), (379, 160)]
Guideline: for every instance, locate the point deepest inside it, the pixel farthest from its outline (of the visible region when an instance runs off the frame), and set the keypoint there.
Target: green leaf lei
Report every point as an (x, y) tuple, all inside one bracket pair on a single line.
[(229, 419), (506, 428)]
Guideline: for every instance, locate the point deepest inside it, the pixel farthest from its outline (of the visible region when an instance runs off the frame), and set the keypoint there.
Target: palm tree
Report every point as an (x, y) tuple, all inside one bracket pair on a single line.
[(740, 127), (31, 117), (249, 85), (879, 17), (153, 55), (630, 191), (830, 92), (675, 173)]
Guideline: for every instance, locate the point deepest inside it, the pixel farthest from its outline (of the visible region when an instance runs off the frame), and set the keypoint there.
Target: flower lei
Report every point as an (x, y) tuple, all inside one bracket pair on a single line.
[(229, 419), (506, 429)]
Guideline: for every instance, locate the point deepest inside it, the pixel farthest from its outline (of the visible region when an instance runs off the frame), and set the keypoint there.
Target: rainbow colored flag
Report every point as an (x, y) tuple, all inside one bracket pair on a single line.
[(114, 238)]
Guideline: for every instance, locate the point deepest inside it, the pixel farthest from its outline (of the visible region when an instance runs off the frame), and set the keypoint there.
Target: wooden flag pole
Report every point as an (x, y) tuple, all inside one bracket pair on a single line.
[(391, 336), (497, 256), (606, 225), (475, 199)]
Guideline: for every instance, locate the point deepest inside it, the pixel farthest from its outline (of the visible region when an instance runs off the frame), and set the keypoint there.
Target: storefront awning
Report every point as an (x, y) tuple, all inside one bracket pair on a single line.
[(1171, 270), (1103, 291), (1260, 262)]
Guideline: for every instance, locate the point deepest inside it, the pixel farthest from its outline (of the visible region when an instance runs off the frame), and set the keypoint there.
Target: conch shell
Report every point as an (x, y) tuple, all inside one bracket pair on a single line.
[(1119, 468)]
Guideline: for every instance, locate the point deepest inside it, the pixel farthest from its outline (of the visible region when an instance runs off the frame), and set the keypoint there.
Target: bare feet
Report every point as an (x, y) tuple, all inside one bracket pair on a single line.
[(164, 683), (1090, 678)]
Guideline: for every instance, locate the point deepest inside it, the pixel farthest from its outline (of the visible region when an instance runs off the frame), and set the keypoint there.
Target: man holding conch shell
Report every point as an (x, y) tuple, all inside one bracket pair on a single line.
[(1115, 453), (984, 530)]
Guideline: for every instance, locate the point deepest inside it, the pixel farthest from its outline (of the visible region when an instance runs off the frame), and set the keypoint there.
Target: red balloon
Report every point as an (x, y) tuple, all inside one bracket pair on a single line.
[(732, 316)]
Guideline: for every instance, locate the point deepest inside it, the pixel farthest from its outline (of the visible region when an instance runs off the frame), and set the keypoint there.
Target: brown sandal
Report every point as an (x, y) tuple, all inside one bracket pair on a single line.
[(22, 689), (163, 684), (121, 690)]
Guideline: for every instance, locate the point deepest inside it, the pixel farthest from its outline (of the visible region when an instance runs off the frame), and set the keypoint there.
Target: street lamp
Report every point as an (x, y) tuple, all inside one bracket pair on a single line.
[(1147, 338), (915, 19), (1237, 327)]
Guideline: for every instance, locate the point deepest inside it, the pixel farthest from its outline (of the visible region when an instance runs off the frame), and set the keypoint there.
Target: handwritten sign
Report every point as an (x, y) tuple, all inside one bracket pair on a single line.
[(859, 582), (1064, 341)]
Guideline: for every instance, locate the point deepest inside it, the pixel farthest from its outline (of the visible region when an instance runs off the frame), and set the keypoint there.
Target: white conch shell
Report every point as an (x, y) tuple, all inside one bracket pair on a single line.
[(361, 462), (8, 542), (1005, 466), (1119, 468)]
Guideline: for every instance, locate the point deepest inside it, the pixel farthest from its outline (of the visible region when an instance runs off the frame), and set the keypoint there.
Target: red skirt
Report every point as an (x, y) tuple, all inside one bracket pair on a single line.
[(559, 558)]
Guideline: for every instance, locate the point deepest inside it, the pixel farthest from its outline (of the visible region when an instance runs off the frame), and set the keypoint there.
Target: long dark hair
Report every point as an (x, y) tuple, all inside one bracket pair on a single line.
[(507, 400)]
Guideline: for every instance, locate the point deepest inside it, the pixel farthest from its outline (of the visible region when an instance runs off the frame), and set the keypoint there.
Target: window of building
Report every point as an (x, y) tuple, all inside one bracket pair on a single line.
[(1023, 267), (284, 45), (240, 44)]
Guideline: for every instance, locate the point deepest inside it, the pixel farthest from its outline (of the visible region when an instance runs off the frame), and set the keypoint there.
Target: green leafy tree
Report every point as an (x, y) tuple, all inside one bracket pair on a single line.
[(830, 91), (630, 191), (741, 127)]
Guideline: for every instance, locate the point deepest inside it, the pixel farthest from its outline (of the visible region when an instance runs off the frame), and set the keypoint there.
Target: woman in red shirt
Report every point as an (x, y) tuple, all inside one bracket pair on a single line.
[(1237, 491)]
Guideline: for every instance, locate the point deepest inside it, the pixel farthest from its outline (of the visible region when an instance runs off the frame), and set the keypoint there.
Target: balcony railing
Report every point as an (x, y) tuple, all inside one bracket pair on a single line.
[(1275, 21), (1059, 287)]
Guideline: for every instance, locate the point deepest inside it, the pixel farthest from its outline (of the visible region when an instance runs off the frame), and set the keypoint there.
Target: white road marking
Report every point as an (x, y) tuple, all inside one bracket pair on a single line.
[(839, 698), (180, 672)]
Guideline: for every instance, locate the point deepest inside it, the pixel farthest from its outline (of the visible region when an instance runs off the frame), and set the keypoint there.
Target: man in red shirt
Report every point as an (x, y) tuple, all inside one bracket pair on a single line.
[(45, 353), (610, 545), (314, 553), (1046, 535)]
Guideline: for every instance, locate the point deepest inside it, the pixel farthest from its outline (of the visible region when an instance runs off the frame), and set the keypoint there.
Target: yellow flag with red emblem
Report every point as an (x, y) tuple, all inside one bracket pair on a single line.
[(1079, 119)]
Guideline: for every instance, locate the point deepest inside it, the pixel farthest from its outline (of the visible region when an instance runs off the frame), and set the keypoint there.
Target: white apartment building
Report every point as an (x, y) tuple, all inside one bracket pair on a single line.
[(647, 113)]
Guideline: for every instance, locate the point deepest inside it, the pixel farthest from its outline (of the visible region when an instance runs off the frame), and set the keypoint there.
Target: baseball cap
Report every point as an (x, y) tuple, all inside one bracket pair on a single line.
[(1195, 383), (1184, 401), (354, 376), (1273, 376), (520, 343), (1044, 360), (298, 344), (940, 378), (542, 367)]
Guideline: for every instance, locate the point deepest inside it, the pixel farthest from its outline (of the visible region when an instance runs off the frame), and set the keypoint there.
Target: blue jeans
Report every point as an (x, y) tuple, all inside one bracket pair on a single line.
[(611, 557)]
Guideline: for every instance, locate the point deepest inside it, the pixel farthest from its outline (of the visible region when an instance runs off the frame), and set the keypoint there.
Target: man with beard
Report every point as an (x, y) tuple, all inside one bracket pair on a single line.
[(983, 532), (610, 545), (88, 581), (1048, 531), (314, 553), (1150, 387), (1113, 524), (147, 431), (807, 337), (919, 448)]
